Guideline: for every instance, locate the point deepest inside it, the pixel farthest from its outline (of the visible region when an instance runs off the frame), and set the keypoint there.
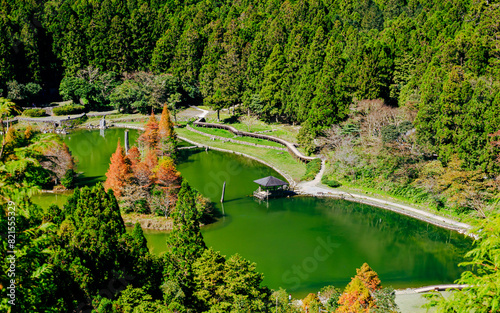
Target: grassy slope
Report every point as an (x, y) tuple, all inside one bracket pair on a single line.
[(228, 134), (280, 159)]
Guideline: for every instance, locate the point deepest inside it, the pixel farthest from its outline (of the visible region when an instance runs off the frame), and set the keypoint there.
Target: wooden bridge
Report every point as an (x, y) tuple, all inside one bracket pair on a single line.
[(290, 147), (440, 288)]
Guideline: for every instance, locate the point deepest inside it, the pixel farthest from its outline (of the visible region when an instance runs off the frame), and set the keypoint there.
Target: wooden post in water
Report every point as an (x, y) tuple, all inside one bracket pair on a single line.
[(223, 191), (126, 141)]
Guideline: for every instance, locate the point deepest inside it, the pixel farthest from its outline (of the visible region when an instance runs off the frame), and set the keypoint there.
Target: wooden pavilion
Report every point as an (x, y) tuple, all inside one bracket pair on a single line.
[(270, 187)]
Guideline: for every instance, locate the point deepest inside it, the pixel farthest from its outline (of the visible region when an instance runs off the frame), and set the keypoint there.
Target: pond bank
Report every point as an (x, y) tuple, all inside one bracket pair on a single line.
[(316, 189), (148, 221)]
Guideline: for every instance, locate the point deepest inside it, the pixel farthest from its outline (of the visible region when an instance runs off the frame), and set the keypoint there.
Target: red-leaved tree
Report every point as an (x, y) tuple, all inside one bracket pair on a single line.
[(143, 171), (119, 172), (134, 156), (166, 127), (150, 136), (166, 173)]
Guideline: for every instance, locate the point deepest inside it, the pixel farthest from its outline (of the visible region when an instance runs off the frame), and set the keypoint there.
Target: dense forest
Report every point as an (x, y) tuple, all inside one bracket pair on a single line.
[(292, 61), (432, 66)]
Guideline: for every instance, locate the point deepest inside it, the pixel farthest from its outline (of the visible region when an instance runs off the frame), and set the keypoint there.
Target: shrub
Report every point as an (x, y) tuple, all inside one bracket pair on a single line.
[(405, 126), (68, 109), (330, 182), (389, 133), (142, 207), (68, 180), (312, 169), (34, 112)]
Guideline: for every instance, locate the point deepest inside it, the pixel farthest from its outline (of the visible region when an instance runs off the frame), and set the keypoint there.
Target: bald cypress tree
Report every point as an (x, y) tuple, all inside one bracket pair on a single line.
[(119, 172), (167, 140)]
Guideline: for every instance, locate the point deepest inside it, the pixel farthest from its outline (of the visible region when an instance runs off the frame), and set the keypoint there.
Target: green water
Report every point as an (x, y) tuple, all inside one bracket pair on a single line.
[(305, 243), (300, 243), (92, 150)]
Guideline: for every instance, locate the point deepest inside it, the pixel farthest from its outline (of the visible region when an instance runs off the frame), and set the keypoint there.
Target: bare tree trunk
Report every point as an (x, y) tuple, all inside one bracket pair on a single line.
[(218, 118)]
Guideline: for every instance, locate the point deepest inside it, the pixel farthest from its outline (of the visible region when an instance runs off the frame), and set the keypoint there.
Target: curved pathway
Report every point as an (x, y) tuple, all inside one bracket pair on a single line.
[(225, 139), (204, 112), (290, 146), (315, 188)]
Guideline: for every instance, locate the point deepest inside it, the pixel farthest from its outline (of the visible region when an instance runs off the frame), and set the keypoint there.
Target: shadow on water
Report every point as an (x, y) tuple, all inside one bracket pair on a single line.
[(88, 180)]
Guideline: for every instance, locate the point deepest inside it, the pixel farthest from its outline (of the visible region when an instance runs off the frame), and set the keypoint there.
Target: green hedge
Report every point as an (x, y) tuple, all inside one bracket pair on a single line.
[(312, 169), (34, 112), (330, 182), (68, 109)]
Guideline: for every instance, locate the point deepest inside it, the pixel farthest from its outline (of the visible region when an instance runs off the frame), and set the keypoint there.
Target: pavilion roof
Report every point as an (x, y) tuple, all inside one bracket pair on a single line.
[(270, 181)]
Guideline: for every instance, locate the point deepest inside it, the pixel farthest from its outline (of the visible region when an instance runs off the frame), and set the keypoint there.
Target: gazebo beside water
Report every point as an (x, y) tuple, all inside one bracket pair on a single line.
[(270, 187)]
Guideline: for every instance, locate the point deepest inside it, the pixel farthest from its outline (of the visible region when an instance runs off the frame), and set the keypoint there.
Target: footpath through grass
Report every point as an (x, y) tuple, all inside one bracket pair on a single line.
[(282, 160)]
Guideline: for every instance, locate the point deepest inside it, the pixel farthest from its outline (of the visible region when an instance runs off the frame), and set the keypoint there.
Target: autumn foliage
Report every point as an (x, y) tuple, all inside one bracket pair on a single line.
[(134, 156), (166, 173), (119, 172), (358, 295), (159, 137), (146, 180), (166, 127), (150, 136)]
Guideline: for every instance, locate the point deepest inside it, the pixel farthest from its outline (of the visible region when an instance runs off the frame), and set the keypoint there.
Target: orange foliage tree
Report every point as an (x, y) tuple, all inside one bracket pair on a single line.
[(358, 295), (150, 136), (134, 156), (119, 172), (166, 173), (166, 127), (143, 171), (356, 298), (369, 277), (167, 142)]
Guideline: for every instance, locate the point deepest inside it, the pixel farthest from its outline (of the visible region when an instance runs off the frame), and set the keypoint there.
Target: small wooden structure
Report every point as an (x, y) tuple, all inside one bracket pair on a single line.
[(270, 187)]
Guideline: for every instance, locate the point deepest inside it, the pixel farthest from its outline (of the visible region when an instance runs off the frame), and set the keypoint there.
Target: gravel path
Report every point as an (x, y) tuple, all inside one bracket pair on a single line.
[(204, 112), (315, 188)]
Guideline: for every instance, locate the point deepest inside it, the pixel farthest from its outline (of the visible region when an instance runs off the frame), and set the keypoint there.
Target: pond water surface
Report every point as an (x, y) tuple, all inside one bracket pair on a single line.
[(299, 243)]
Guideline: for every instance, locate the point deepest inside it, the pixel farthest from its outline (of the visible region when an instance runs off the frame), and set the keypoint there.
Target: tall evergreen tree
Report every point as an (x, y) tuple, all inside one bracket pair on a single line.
[(185, 243), (270, 94)]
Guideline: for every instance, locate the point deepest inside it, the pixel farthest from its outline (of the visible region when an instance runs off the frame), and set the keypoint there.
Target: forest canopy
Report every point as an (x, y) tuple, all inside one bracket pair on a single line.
[(301, 61)]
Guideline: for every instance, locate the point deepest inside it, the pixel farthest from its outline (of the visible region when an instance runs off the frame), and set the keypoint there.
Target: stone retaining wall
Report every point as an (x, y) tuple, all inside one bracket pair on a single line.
[(290, 147), (234, 140)]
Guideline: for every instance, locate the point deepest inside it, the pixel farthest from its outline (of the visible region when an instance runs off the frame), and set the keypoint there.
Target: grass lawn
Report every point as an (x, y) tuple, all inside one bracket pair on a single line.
[(188, 114), (212, 116), (279, 159), (283, 131), (227, 134)]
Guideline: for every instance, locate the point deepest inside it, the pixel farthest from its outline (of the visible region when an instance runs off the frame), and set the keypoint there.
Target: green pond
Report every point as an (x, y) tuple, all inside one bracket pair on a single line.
[(299, 243)]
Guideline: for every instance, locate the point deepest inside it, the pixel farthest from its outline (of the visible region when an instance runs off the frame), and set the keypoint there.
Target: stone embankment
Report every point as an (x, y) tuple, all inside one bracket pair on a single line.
[(234, 140)]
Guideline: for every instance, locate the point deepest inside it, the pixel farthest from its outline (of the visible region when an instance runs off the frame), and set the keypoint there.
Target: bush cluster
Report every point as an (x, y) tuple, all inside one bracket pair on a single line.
[(68, 109), (312, 169), (330, 182), (34, 112)]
